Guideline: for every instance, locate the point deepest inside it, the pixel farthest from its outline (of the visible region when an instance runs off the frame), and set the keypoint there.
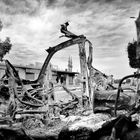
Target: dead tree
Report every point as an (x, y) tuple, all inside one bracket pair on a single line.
[(28, 97)]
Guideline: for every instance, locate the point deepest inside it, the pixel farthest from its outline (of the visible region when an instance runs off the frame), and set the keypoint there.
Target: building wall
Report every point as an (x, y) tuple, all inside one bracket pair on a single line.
[(29, 73), (2, 71), (71, 80), (21, 72)]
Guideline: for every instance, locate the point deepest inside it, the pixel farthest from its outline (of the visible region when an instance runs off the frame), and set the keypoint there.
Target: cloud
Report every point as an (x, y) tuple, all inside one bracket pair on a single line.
[(13, 7), (33, 26)]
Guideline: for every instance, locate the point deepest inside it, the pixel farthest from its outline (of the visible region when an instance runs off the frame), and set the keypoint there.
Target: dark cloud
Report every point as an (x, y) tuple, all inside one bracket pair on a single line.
[(74, 3), (18, 6), (51, 2), (26, 6), (82, 1), (109, 0), (8, 2), (30, 6)]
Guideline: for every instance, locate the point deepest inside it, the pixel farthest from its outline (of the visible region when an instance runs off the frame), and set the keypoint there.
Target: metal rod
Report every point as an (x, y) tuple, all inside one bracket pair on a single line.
[(119, 90)]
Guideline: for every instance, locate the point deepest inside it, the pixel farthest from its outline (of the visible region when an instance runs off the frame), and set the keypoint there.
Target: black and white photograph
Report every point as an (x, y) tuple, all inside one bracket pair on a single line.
[(69, 69)]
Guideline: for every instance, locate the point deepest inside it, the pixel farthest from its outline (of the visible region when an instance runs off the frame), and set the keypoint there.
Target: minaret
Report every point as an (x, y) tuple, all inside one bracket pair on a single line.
[(70, 64), (1, 25)]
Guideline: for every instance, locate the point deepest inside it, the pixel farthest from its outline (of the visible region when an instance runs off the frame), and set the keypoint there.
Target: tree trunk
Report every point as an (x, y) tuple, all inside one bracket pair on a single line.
[(84, 70)]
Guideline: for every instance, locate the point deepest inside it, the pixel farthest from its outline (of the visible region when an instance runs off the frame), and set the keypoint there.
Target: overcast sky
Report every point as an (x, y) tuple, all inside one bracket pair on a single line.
[(33, 26)]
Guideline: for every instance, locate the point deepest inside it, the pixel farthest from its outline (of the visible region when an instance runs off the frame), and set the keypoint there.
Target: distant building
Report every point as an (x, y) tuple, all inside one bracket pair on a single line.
[(30, 72), (66, 76), (70, 64), (63, 77), (25, 72)]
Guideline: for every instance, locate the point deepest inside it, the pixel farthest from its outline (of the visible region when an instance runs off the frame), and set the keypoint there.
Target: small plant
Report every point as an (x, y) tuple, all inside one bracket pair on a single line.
[(5, 46), (133, 61)]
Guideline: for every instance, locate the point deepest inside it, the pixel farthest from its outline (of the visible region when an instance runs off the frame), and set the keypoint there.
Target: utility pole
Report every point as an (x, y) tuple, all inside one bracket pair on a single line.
[(138, 55)]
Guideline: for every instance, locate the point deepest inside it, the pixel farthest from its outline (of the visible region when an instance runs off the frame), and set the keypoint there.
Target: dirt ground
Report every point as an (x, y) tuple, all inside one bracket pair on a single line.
[(78, 118)]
